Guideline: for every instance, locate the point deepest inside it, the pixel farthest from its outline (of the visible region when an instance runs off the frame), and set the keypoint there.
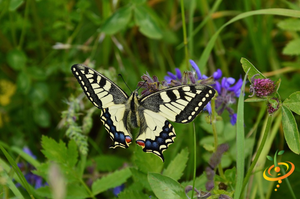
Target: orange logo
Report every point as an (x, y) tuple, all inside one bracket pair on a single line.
[(278, 176)]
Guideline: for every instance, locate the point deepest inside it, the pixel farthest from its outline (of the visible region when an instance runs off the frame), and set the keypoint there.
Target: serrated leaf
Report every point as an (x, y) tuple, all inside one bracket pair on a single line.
[(147, 162), (147, 25), (293, 102), (289, 24), (140, 177), (290, 130), (110, 181), (253, 71), (281, 152), (117, 21), (176, 167), (165, 187), (292, 48), (269, 158), (132, 195)]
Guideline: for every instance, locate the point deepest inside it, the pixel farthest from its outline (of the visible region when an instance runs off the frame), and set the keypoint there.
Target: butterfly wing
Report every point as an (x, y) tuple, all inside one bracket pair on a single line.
[(179, 104), (109, 97)]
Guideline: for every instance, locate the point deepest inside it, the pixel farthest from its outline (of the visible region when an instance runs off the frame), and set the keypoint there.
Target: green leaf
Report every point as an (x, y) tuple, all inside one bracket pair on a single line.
[(41, 117), (16, 59), (165, 187), (269, 158), (117, 21), (176, 167), (255, 99), (39, 93), (10, 184), (290, 130), (293, 102), (292, 48), (147, 162), (15, 4), (23, 82), (289, 24), (58, 152), (140, 177), (147, 25), (110, 181), (253, 71), (200, 182), (108, 162), (132, 195), (281, 152), (73, 191)]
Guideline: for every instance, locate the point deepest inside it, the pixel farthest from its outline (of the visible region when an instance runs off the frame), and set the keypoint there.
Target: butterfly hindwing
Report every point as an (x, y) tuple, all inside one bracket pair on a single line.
[(179, 104), (156, 133), (106, 95)]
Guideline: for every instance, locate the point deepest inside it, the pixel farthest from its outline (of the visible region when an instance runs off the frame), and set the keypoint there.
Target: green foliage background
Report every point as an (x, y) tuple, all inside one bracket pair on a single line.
[(41, 40)]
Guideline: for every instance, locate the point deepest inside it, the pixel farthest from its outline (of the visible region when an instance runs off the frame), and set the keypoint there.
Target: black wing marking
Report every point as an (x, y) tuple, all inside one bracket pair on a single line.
[(100, 90), (179, 104)]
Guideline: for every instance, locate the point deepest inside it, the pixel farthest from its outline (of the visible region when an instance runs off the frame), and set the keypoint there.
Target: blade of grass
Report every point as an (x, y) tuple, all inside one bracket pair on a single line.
[(184, 36), (18, 171), (240, 142), (274, 11)]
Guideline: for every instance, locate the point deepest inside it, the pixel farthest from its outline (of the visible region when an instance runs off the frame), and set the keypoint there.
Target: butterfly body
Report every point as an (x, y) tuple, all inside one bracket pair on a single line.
[(150, 113)]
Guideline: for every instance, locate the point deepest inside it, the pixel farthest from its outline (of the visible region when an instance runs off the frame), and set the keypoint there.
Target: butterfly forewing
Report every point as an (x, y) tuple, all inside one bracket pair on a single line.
[(106, 95), (100, 90), (179, 104)]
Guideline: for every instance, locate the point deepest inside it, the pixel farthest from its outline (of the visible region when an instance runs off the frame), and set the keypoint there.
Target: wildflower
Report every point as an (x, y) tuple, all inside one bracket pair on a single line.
[(261, 87), (118, 189), (273, 105), (7, 89), (26, 168), (151, 85)]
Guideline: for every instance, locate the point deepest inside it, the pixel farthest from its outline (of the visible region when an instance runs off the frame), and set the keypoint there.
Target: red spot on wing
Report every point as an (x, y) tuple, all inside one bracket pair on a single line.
[(141, 143), (128, 139)]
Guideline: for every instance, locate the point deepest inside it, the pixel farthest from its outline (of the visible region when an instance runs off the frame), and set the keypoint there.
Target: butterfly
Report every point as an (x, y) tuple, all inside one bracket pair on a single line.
[(151, 113)]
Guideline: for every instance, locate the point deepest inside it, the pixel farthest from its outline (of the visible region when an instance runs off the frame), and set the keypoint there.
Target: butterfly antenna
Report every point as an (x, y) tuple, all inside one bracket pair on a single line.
[(141, 85), (125, 82)]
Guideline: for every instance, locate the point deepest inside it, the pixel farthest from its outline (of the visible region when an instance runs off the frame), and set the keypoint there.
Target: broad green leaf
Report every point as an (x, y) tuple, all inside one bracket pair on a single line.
[(15, 4), (41, 117), (117, 21), (132, 195), (16, 59), (140, 177), (253, 71), (292, 48), (110, 181), (293, 102), (165, 187), (176, 167), (147, 162), (290, 130), (269, 158), (289, 24), (146, 23), (281, 152)]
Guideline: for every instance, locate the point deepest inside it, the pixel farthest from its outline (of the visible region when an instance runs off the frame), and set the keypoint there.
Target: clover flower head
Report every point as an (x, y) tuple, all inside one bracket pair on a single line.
[(261, 87), (272, 107)]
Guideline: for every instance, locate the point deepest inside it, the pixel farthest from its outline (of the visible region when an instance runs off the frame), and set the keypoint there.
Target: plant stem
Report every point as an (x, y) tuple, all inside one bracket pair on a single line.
[(184, 35), (87, 188), (259, 150), (194, 172)]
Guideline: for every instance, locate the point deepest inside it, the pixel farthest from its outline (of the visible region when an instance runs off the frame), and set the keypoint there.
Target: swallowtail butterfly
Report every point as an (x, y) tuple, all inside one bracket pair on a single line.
[(151, 113)]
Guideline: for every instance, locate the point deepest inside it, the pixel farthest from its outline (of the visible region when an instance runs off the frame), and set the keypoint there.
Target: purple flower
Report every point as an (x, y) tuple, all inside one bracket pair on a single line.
[(118, 189), (233, 118), (261, 87), (26, 168), (274, 106)]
